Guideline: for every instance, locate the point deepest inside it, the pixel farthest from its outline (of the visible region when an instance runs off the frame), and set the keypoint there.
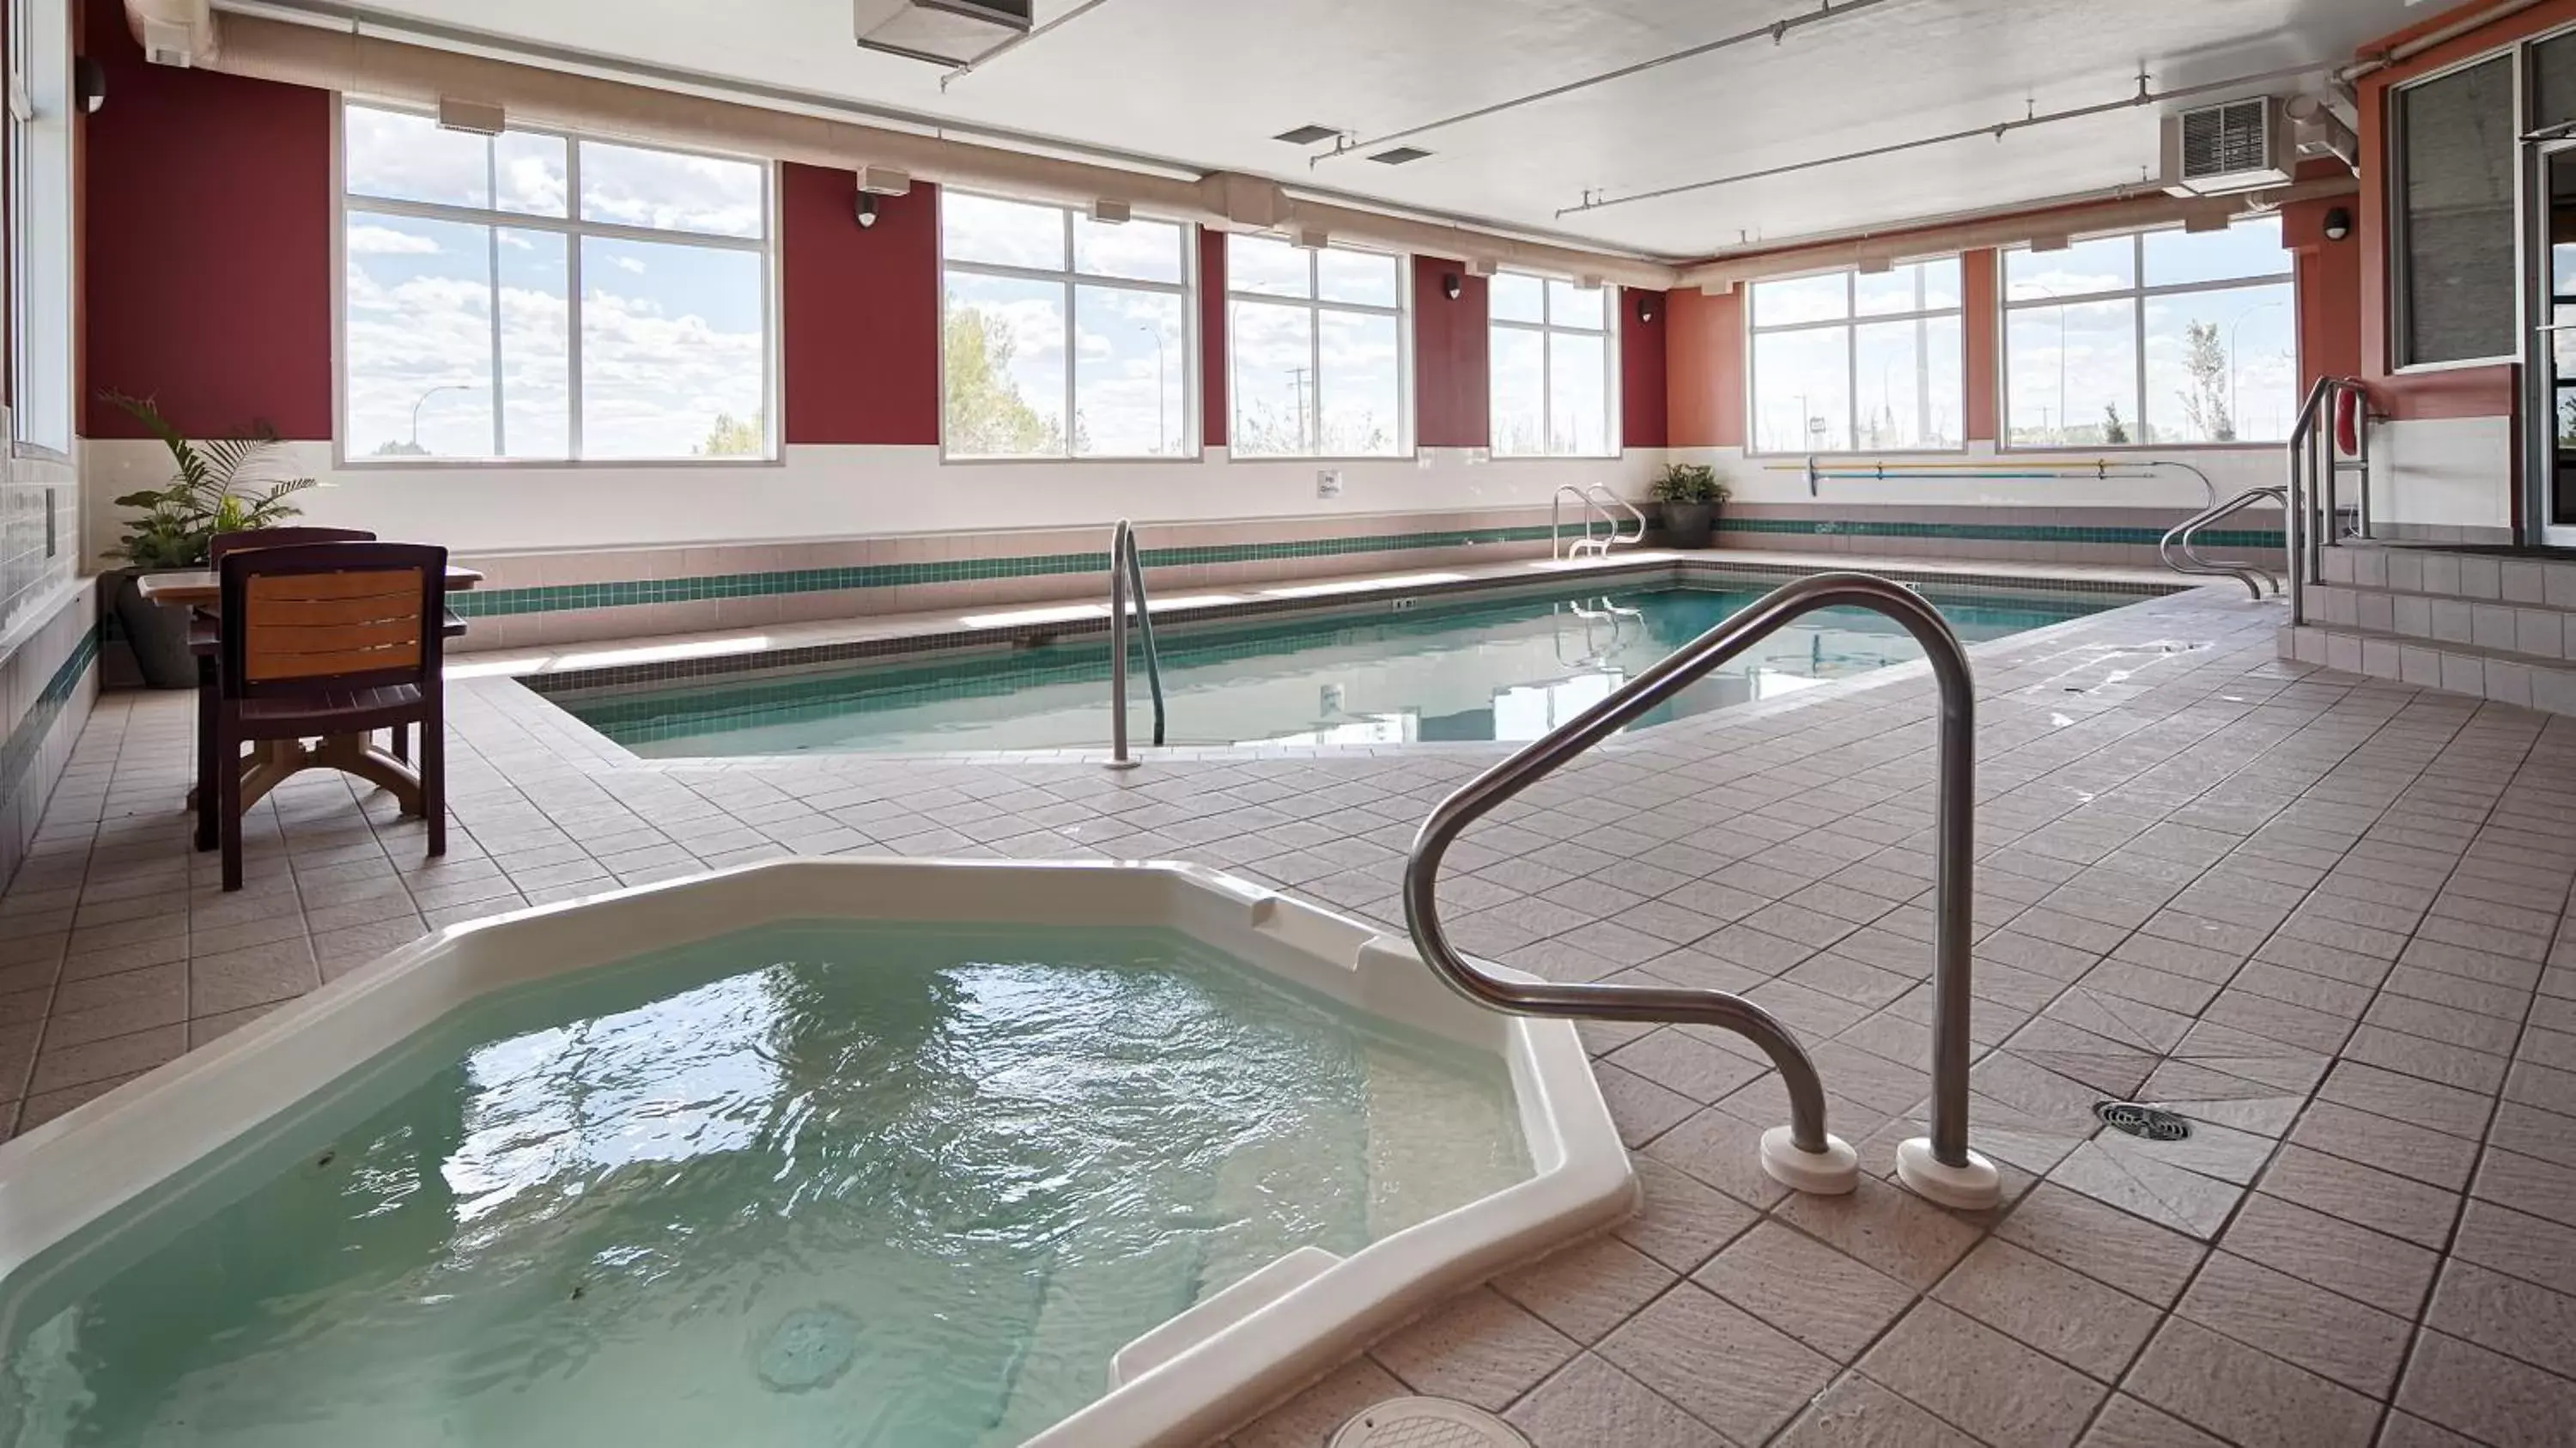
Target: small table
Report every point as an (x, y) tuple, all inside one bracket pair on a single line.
[(282, 758)]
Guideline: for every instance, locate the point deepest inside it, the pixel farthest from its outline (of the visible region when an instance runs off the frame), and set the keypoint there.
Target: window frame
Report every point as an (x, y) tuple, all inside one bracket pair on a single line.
[(1851, 322), (1406, 399), (2518, 59), (1613, 375), (20, 89), (573, 228), (2137, 294), (1071, 278)]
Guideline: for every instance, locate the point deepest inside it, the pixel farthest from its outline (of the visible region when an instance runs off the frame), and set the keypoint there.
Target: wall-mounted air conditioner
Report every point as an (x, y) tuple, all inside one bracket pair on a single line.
[(948, 32), (2239, 146)]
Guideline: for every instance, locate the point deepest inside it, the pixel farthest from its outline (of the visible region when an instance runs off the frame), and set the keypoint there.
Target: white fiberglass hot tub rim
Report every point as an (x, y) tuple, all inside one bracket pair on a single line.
[(1198, 1375)]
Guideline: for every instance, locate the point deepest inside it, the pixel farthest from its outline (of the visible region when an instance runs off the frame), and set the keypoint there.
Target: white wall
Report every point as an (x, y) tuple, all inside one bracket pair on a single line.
[(2450, 472), (1769, 479), (840, 492)]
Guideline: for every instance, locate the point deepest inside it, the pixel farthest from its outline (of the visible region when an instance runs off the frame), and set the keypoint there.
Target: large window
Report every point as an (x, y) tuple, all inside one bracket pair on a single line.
[(2455, 214), (1858, 362), (1316, 338), (1552, 373), (547, 297), (1062, 336), (2157, 338), (40, 230)]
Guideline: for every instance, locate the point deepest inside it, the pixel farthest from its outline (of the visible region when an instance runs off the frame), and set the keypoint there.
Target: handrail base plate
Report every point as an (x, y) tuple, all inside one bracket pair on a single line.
[(1970, 1188), (1833, 1172)]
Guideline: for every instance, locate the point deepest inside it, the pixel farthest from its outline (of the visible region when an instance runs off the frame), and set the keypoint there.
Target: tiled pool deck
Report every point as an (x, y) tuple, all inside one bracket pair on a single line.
[(2323, 916)]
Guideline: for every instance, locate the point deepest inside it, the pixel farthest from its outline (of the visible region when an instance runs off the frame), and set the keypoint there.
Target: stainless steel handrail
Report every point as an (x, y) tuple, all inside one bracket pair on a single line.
[(1803, 1154), (1556, 523), (1600, 496), (2182, 556), (1126, 576), (2309, 517)]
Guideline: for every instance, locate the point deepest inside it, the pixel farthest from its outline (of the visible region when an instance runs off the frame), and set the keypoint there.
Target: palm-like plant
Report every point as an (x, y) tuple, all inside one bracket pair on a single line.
[(219, 488)]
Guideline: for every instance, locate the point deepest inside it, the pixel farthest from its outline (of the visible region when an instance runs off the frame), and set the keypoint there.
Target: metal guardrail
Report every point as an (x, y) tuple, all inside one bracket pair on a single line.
[(1600, 496), (1126, 579), (2182, 556), (2312, 516), (1595, 500), (1802, 1155)]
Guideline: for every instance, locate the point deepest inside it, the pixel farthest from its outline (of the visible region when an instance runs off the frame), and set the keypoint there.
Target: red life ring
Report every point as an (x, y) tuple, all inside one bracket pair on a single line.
[(2348, 422)]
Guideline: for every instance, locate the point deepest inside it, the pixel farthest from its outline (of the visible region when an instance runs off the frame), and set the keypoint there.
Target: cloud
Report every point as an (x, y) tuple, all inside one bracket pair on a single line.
[(386, 241), (629, 263)]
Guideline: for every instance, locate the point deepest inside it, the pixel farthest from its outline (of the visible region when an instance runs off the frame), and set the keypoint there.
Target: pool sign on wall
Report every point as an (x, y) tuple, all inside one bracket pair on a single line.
[(1328, 483)]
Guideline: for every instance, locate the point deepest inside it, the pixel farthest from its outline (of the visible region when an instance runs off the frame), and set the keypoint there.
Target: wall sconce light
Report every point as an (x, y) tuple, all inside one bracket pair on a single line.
[(1451, 285), (2338, 224), (867, 210), (89, 84), (1645, 306)]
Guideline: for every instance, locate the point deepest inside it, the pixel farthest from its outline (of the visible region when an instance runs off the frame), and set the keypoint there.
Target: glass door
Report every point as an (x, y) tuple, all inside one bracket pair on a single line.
[(2553, 347)]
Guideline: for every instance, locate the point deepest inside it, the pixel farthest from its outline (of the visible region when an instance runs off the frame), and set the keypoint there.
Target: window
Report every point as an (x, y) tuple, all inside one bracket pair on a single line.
[(1062, 336), (1316, 343), (1551, 368), (1853, 362), (2454, 191), (547, 297), (2151, 339), (40, 233)]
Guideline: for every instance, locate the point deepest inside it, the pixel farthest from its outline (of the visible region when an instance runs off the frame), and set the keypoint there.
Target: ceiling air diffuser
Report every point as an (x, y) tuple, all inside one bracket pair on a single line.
[(946, 32)]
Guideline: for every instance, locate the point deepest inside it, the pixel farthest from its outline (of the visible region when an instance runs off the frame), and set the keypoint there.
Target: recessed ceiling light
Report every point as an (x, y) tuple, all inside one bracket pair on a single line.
[(1306, 135), (1399, 155)]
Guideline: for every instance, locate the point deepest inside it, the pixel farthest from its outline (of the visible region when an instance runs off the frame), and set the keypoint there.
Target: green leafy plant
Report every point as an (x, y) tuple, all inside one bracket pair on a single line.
[(220, 486), (1689, 483)]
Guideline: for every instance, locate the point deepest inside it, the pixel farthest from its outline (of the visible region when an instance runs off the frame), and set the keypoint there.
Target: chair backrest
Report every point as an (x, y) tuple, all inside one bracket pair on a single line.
[(224, 543), (323, 617)]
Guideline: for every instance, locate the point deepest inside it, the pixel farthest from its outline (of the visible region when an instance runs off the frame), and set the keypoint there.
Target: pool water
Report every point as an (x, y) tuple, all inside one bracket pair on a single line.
[(1492, 670), (802, 1186)]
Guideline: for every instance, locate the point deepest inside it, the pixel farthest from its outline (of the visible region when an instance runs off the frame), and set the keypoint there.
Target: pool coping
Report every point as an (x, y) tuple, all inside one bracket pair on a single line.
[(1210, 1369)]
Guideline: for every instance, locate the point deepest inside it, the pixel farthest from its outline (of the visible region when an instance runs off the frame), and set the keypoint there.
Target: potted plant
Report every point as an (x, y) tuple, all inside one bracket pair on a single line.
[(1689, 494), (224, 486)]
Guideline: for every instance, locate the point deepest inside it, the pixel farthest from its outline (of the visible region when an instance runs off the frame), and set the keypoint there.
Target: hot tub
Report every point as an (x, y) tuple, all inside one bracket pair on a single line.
[(817, 1152)]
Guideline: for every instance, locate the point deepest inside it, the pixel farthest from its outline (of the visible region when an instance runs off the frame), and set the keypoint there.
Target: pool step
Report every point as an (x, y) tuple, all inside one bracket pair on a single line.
[(1431, 1142), (2503, 676), (1062, 1368)]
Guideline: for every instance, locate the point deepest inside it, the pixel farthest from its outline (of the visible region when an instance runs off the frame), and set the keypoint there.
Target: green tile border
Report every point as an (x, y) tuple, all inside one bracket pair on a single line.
[(495, 602), (27, 739)]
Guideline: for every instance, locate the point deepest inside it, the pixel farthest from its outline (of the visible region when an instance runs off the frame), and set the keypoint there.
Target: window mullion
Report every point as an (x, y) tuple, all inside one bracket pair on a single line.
[(492, 251), (1072, 350), (573, 328)]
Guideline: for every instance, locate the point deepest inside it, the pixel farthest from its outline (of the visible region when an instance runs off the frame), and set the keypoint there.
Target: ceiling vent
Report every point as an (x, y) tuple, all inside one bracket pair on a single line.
[(946, 32), (1306, 135), (2240, 146), (1401, 155)]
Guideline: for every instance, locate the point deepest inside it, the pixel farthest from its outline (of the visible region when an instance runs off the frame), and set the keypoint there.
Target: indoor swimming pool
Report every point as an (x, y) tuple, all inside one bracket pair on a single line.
[(1478, 670)]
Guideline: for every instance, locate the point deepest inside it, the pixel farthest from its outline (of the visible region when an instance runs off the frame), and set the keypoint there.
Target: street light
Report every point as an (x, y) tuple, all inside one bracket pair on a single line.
[(1162, 426), (2235, 410), (2061, 358), (426, 396)]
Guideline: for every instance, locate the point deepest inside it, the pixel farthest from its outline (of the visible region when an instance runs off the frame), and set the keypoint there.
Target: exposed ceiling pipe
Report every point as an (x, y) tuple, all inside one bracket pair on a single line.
[(1775, 32), (1998, 131), (2399, 54), (1016, 41), (372, 66)]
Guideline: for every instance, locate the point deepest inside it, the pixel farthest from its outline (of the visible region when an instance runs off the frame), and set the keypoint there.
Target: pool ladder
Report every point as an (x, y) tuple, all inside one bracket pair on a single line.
[(1127, 579), (2181, 556), (1801, 1155), (1593, 500), (1599, 610)]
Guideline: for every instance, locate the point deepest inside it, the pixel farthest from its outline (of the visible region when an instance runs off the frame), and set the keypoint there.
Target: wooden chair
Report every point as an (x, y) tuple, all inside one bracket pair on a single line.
[(335, 640), (205, 640)]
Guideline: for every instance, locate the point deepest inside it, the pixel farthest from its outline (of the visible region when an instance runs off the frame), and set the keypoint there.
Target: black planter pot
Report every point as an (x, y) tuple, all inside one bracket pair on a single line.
[(1688, 525), (158, 636)]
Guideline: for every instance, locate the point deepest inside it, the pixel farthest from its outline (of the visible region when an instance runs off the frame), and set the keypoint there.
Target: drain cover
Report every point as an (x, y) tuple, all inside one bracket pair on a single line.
[(1427, 1423), (2144, 1121)]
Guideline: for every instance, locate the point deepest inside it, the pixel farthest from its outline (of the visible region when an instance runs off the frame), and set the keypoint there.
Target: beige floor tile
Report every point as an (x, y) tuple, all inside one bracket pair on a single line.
[(2062, 1313), (2489, 1397), (1480, 1348), (2247, 1397), (2418, 1213), (1970, 1375), (1856, 1411), (1806, 1289), (1722, 1366), (1886, 1228), (1594, 1405), (2367, 1266), (2507, 1315), (1586, 1291), (1309, 1419), (2334, 1337), (1682, 1222), (2124, 1422)]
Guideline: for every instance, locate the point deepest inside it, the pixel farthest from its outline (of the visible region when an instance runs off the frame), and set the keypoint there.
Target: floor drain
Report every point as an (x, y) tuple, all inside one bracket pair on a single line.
[(2144, 1121), (1427, 1423)]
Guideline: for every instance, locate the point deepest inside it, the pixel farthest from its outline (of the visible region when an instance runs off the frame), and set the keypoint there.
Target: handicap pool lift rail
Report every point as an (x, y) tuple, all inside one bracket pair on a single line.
[(1801, 1155), (1126, 581)]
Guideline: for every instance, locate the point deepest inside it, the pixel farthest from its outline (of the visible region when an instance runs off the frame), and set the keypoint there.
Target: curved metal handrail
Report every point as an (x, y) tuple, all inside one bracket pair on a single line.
[(2179, 554), (1556, 522), (1126, 577), (1599, 495), (1954, 830), (2309, 514)]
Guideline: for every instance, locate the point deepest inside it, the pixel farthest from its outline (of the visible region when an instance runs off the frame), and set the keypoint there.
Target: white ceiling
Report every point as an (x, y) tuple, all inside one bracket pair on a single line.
[(1206, 83)]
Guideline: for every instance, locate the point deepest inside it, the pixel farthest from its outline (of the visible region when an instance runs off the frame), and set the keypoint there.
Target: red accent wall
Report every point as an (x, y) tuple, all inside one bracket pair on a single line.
[(1213, 412), (205, 273), (858, 311), (1981, 320), (1452, 358), (2327, 276), (1704, 369), (1644, 410)]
